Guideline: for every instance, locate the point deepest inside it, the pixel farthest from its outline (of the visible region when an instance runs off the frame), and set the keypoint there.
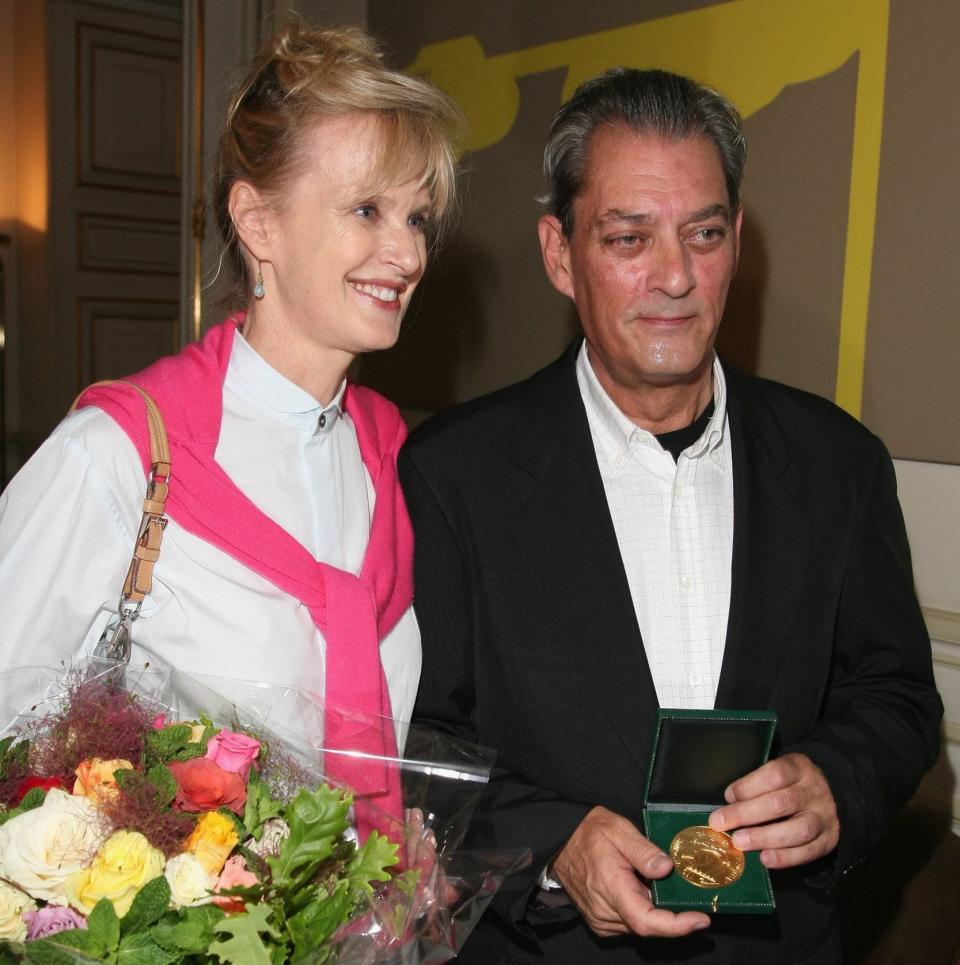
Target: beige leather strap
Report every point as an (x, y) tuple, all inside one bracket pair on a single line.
[(146, 549)]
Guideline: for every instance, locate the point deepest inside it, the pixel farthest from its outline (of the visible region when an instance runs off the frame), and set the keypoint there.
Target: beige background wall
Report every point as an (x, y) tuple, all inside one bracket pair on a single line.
[(486, 316)]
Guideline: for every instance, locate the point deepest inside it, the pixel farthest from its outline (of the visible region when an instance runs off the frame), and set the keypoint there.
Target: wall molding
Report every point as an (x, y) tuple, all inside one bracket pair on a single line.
[(943, 625)]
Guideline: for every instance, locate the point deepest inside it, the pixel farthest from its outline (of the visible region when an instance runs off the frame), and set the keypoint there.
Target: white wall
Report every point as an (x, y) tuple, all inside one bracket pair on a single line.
[(930, 496)]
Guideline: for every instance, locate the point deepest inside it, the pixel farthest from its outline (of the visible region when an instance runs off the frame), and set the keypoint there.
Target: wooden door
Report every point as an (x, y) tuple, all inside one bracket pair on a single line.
[(115, 184)]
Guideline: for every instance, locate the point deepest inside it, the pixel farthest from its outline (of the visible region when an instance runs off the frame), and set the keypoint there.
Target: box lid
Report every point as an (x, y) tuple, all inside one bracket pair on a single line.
[(697, 753)]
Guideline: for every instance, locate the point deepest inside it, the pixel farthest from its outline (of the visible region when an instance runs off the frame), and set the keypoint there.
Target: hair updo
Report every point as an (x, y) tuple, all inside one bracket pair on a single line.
[(303, 75)]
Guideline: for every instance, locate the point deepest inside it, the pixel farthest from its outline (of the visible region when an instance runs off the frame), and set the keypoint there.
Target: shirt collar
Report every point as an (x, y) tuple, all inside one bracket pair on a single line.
[(250, 376), (616, 434)]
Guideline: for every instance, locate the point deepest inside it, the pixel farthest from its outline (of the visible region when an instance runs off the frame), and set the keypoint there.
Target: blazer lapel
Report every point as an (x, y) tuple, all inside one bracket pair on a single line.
[(565, 537), (771, 546)]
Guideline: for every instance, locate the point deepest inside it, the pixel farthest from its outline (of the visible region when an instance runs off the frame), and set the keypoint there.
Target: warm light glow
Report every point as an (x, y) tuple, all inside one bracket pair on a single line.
[(31, 115)]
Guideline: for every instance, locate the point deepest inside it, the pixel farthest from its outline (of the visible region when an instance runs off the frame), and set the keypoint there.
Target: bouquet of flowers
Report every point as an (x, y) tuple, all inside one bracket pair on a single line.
[(131, 832)]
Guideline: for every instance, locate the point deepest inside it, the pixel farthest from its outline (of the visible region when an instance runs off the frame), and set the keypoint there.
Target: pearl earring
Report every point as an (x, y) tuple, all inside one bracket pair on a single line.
[(258, 289)]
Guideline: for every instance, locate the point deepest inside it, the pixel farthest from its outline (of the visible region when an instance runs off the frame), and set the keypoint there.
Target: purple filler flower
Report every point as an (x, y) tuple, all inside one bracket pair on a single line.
[(51, 919)]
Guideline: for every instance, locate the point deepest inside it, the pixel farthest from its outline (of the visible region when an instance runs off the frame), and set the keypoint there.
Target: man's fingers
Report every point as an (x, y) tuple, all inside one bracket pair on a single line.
[(602, 867)]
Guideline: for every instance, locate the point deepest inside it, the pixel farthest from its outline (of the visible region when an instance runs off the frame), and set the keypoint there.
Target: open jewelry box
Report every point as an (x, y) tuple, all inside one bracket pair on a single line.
[(696, 754)]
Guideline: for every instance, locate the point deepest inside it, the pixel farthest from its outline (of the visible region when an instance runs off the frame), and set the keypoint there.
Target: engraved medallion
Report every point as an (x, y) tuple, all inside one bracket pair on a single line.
[(706, 858)]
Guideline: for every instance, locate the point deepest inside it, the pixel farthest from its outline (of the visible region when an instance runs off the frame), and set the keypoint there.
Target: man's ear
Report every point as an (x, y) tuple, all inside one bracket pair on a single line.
[(250, 215), (556, 254)]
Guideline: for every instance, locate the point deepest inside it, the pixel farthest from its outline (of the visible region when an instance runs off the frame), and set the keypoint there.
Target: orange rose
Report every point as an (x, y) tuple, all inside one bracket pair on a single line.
[(95, 779), (212, 840), (202, 785)]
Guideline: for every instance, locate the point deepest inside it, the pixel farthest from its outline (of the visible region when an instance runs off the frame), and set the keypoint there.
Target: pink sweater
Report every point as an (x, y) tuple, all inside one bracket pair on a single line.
[(353, 612)]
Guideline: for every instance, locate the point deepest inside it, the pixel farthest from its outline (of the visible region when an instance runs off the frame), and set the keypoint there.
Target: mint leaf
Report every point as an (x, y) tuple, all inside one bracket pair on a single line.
[(245, 946), (67, 948), (165, 783), (32, 799), (191, 933), (148, 906), (103, 925), (140, 949)]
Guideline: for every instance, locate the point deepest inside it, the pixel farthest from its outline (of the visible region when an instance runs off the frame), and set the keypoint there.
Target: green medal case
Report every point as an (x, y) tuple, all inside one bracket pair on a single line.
[(696, 754)]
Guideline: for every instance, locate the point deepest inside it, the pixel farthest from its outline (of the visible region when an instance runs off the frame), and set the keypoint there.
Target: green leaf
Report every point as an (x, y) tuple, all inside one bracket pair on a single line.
[(11, 953), (312, 926), (67, 948), (141, 949), (317, 819), (191, 933), (148, 906), (371, 861), (33, 799), (162, 746), (166, 784), (103, 925), (260, 806), (245, 946)]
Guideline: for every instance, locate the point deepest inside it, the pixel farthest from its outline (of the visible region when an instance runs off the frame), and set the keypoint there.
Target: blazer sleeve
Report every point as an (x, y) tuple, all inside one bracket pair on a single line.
[(878, 731), (513, 815)]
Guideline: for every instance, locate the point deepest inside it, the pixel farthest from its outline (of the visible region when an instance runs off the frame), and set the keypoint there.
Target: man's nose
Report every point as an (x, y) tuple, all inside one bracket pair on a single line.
[(671, 269)]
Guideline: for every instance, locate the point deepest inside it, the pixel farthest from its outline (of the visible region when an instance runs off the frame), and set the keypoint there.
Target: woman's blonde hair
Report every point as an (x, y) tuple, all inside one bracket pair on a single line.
[(303, 75)]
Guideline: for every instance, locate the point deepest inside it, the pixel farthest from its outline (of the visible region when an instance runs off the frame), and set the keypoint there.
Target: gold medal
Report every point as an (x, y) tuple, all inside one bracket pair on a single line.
[(706, 858)]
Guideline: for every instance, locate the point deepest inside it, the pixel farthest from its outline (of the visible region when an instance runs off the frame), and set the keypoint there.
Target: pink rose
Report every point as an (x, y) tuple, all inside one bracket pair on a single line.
[(51, 919), (234, 875), (159, 722), (203, 785), (233, 752)]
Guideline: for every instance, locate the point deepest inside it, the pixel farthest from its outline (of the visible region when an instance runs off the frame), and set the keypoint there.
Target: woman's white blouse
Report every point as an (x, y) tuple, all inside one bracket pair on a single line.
[(68, 520)]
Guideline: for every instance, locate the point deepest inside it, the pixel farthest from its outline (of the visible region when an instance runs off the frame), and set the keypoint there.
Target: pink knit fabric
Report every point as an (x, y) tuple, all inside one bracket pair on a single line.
[(354, 613)]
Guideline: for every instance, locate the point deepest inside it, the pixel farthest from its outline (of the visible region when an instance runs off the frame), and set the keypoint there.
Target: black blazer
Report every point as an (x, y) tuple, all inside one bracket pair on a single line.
[(531, 645)]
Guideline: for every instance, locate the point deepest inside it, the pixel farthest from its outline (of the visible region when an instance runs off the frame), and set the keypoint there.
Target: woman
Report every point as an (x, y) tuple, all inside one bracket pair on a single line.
[(287, 558)]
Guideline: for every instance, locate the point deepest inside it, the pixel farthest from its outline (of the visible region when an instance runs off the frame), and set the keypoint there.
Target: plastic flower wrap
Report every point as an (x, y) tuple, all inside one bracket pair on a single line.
[(156, 817)]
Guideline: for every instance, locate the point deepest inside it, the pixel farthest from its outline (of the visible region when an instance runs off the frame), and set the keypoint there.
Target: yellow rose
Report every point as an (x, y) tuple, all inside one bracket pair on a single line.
[(214, 837), (124, 864), (13, 903), (196, 732), (95, 779)]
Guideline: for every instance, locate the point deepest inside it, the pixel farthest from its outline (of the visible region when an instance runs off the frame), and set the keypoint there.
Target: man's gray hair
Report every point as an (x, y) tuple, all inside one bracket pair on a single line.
[(648, 102)]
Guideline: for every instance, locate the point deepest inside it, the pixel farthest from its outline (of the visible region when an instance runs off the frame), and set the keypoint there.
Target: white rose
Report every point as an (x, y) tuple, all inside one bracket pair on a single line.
[(40, 849), (190, 883), (13, 903)]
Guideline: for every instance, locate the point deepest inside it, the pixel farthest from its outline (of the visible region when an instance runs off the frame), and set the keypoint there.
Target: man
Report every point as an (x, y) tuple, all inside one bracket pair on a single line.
[(640, 524)]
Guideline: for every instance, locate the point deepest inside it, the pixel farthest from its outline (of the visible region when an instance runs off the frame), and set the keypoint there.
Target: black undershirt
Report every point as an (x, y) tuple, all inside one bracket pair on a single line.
[(679, 439)]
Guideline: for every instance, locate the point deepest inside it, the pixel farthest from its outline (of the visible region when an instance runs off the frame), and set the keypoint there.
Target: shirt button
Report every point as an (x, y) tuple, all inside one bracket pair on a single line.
[(617, 458), (695, 679), (686, 582), (322, 421)]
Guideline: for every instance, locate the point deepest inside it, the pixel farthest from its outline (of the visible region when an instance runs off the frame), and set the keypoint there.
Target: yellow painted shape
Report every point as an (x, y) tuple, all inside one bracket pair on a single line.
[(749, 49)]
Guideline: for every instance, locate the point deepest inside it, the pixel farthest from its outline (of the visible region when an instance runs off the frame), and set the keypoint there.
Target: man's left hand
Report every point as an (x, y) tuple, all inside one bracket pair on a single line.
[(784, 810)]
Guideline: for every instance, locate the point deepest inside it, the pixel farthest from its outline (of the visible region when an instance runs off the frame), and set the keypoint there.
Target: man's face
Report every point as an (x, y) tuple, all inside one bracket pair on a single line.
[(650, 258)]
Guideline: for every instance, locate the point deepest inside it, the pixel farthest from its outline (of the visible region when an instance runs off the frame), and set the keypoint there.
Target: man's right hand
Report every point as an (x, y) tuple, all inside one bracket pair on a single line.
[(604, 868)]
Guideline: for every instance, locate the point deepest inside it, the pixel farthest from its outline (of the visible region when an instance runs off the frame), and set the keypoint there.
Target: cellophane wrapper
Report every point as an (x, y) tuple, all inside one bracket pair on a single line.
[(424, 913)]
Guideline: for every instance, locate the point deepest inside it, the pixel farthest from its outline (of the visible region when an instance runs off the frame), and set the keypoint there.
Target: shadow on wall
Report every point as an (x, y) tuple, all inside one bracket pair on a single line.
[(441, 334), (740, 333)]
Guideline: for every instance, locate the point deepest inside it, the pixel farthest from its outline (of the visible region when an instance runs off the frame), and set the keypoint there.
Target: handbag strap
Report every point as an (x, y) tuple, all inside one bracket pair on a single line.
[(146, 548)]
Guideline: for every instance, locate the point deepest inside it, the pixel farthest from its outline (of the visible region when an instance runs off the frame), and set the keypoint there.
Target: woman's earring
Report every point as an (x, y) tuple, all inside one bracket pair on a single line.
[(258, 289)]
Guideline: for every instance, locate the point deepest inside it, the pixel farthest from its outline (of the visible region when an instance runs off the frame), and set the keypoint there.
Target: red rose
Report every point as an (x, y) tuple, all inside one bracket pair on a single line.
[(203, 785), (29, 783)]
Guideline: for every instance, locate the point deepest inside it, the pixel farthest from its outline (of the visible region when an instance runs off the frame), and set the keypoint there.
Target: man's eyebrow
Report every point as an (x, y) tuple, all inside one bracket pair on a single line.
[(645, 218)]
